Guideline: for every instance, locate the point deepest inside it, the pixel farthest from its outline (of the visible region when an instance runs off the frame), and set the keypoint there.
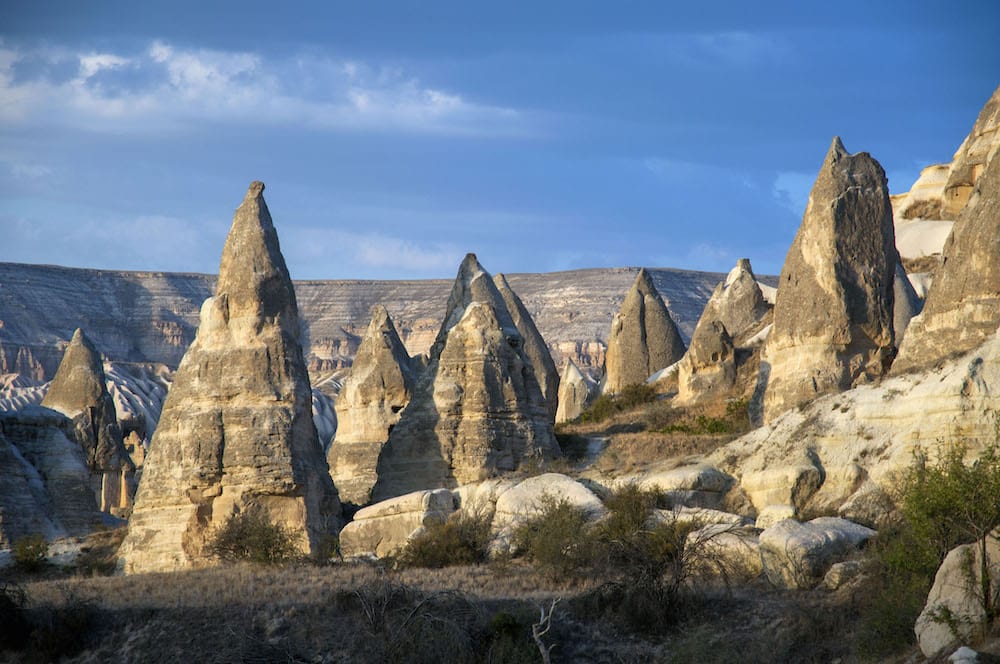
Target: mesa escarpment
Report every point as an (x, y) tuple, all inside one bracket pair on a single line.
[(236, 432)]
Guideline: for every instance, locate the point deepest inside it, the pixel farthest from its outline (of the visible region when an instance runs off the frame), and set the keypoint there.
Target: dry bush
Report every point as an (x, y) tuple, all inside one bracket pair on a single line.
[(251, 536), (30, 552), (462, 539)]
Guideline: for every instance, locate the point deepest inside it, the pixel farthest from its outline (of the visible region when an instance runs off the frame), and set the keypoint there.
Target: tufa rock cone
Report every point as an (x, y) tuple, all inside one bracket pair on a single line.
[(535, 347), (236, 431), (575, 392), (708, 368), (477, 409), (370, 403), (737, 303), (643, 339), (834, 309)]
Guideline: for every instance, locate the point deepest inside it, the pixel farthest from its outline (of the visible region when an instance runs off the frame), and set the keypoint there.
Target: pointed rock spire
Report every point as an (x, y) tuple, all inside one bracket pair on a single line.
[(643, 338), (370, 403), (575, 392), (708, 369), (737, 303), (236, 431), (477, 408), (535, 347), (834, 308)]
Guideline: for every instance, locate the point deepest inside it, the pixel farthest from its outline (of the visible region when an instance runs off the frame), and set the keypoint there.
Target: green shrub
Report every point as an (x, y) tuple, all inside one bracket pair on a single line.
[(605, 406), (251, 536), (556, 539), (460, 540), (602, 408), (30, 552)]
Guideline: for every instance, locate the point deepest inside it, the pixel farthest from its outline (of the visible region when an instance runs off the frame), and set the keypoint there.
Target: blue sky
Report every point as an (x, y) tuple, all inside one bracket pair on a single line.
[(394, 137)]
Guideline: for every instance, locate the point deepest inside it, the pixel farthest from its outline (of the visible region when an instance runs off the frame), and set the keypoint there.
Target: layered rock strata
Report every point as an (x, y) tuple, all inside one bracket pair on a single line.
[(79, 391), (370, 404), (236, 432), (477, 409), (643, 337), (834, 310)]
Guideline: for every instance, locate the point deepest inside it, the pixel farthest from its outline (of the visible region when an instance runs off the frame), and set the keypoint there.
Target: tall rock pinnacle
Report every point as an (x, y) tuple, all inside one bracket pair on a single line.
[(643, 339), (834, 310), (477, 408), (375, 392), (535, 347), (236, 431)]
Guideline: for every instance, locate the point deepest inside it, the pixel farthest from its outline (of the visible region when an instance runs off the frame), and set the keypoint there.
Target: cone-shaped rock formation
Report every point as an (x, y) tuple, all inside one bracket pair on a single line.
[(477, 409), (535, 347), (236, 432), (737, 303), (963, 306), (370, 403), (575, 392), (708, 369), (643, 339), (834, 309)]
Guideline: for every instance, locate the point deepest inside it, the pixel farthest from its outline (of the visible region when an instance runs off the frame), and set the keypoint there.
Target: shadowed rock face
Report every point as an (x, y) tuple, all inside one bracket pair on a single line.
[(535, 348), (708, 369), (236, 431), (643, 338), (834, 309), (375, 392), (477, 409), (963, 306), (575, 392)]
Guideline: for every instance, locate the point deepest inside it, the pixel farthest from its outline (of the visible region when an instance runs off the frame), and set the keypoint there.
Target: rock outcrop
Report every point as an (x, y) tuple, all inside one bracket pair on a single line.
[(738, 303), (834, 310), (79, 391), (384, 528), (798, 555), (708, 370), (236, 432), (643, 338), (477, 409), (963, 306), (535, 348), (374, 394), (576, 390)]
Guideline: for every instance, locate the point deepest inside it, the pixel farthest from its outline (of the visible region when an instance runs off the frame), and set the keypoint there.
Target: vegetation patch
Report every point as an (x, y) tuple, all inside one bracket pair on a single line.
[(251, 536), (462, 539)]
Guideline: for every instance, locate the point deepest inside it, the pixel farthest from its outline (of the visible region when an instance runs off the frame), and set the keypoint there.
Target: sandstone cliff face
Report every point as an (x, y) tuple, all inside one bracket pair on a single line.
[(643, 338), (575, 392), (370, 403), (834, 309), (477, 409), (236, 431), (535, 348), (963, 306)]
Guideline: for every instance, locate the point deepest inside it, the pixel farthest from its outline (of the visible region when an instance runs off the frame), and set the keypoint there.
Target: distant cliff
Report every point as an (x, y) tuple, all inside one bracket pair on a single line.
[(152, 316)]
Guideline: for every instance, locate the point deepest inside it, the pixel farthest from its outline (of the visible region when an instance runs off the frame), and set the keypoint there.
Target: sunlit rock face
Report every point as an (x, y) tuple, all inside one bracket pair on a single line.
[(477, 409), (236, 431), (834, 309), (643, 338), (576, 390), (375, 392)]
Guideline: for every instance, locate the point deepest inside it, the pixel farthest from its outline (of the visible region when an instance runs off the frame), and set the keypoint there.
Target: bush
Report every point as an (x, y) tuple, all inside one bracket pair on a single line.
[(30, 552), (555, 540), (460, 540), (251, 536), (605, 406)]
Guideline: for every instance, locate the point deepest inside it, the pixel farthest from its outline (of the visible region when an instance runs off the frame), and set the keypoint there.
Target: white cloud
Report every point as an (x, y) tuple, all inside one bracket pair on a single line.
[(29, 171), (169, 88)]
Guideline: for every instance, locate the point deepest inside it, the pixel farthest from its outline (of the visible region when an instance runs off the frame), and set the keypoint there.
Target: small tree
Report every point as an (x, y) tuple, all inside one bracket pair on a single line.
[(251, 536)]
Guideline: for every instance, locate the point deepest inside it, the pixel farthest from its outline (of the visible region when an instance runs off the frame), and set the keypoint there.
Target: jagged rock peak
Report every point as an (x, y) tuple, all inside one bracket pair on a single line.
[(738, 303), (963, 306), (643, 338), (534, 344), (79, 382), (375, 392), (472, 284), (252, 275), (833, 316), (236, 432)]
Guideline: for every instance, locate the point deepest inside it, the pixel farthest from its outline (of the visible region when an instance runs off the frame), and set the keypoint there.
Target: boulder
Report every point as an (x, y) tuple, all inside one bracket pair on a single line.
[(954, 609), (369, 406), (527, 499), (576, 390), (236, 432), (477, 409), (798, 555), (384, 528), (840, 573), (695, 485), (834, 310), (535, 348), (728, 550), (643, 338)]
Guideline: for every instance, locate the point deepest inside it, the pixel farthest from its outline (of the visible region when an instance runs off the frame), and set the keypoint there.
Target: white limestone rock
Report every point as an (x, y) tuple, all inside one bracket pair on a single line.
[(384, 528), (798, 555)]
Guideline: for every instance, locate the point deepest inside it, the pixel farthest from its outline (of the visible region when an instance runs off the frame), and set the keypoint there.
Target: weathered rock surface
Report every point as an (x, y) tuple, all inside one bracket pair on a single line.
[(906, 304), (370, 403), (956, 593), (798, 555), (738, 303), (477, 409), (963, 306), (236, 431), (695, 485), (528, 499), (727, 549), (643, 337), (535, 348), (576, 390), (384, 528), (834, 310), (708, 370)]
